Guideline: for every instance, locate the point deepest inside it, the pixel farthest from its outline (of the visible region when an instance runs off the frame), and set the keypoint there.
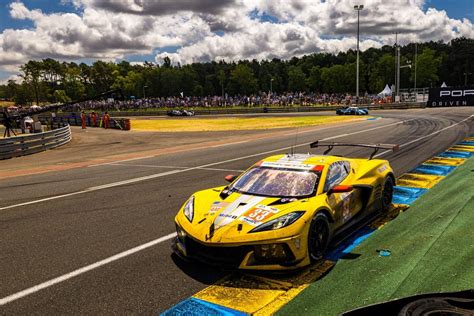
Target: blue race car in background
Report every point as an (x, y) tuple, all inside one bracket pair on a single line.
[(352, 110)]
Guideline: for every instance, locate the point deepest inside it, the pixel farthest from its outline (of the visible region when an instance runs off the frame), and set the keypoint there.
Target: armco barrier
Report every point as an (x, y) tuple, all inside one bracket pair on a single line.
[(280, 109), (74, 119), (34, 143)]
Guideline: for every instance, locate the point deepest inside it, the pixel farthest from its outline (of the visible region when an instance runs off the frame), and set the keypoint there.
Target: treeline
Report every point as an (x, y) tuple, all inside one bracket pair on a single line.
[(52, 81)]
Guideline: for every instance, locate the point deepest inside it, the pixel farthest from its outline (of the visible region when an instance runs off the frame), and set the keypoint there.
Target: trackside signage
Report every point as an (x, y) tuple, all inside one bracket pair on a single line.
[(451, 96)]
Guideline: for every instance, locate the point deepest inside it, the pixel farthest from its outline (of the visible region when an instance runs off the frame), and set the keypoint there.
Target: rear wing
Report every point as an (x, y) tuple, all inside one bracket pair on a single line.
[(376, 147)]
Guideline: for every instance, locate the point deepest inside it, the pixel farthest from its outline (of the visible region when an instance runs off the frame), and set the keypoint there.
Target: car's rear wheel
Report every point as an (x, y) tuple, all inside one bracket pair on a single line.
[(318, 237), (387, 194)]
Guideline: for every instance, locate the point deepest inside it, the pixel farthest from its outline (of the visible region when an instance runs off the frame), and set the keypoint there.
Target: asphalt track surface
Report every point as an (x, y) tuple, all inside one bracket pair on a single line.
[(59, 230)]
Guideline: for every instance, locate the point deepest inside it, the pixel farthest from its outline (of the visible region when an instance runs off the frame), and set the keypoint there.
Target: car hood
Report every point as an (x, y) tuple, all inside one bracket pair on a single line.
[(223, 216)]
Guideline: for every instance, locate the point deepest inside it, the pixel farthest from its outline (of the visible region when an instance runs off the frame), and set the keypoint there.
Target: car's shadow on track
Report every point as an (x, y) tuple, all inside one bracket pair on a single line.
[(199, 271)]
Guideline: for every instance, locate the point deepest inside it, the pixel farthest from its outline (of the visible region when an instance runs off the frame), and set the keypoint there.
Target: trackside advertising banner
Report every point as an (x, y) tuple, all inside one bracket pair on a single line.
[(451, 96)]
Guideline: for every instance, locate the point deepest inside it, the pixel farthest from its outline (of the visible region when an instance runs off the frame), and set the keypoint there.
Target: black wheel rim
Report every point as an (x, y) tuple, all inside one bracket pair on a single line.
[(318, 239), (387, 194)]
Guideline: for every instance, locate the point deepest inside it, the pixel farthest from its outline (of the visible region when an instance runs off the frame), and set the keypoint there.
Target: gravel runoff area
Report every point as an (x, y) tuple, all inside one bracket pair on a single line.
[(432, 250), (235, 123)]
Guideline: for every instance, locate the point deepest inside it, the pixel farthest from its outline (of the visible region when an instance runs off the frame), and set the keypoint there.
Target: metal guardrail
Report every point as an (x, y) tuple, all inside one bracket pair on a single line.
[(30, 144), (75, 120)]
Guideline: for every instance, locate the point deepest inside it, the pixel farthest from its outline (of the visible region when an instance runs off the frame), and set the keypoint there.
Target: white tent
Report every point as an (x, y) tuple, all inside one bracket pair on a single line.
[(444, 85), (386, 91)]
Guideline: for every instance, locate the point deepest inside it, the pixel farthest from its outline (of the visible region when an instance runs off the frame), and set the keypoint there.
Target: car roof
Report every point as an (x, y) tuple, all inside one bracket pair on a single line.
[(299, 160)]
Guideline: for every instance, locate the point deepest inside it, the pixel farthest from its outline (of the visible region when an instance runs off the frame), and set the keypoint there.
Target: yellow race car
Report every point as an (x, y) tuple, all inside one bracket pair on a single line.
[(283, 211)]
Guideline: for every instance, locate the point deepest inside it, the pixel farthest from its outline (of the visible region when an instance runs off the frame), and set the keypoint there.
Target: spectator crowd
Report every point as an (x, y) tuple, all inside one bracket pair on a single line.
[(263, 99)]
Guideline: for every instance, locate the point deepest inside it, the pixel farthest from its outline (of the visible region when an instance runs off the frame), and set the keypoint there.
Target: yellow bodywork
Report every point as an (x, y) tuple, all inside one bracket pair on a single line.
[(211, 206)]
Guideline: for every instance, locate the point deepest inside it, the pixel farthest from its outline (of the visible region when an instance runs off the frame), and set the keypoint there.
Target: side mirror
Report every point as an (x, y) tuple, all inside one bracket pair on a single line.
[(341, 189), (230, 178)]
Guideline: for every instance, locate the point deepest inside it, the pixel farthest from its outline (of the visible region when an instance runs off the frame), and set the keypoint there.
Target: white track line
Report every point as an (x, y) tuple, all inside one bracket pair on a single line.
[(162, 174), (426, 136), (129, 252), (229, 144), (82, 270), (175, 167), (111, 163)]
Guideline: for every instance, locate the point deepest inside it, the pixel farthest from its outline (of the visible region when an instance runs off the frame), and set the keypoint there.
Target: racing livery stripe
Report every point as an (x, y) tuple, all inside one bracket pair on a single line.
[(234, 210)]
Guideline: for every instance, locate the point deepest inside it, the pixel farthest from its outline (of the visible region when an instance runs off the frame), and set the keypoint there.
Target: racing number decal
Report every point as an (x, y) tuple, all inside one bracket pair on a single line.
[(259, 214)]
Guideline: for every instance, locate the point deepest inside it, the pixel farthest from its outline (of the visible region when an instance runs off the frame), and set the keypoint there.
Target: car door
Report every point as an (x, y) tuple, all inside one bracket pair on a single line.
[(346, 204)]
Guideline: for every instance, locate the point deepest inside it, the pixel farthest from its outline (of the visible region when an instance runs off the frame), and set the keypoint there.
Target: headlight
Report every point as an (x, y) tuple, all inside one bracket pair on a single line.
[(189, 209), (279, 222)]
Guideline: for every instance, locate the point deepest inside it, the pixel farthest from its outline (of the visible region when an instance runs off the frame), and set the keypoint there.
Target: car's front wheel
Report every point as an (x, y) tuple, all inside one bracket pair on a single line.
[(387, 194), (318, 237)]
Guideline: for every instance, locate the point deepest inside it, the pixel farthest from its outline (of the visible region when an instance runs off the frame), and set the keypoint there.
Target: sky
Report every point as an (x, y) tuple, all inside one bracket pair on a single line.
[(190, 31)]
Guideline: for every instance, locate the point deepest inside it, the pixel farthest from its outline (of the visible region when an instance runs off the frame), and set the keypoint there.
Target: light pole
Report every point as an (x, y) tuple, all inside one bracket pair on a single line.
[(408, 65), (271, 86), (398, 72), (416, 56), (465, 77), (358, 8), (144, 94), (396, 67)]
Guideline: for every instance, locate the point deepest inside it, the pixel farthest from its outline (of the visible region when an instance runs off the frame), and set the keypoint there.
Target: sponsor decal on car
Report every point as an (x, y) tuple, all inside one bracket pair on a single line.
[(346, 206), (382, 168), (283, 165), (217, 207)]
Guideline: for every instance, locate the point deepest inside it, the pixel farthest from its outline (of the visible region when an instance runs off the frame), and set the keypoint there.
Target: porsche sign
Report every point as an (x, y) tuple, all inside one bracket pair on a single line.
[(451, 96)]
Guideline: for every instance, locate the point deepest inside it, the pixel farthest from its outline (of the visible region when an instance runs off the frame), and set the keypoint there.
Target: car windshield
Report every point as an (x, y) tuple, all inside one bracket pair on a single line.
[(277, 182)]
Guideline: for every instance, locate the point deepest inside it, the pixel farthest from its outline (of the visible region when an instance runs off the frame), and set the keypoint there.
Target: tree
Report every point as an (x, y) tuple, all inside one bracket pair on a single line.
[(296, 79), (314, 80), (381, 73), (61, 97), (222, 80), (243, 79), (427, 68), (31, 75), (333, 78)]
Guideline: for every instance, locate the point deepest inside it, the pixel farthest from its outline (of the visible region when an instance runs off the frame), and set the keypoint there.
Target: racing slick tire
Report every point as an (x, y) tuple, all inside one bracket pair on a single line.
[(387, 194), (318, 237)]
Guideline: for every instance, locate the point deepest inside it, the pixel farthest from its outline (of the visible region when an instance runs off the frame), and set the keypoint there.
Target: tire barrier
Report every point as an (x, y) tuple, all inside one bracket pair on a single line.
[(74, 119), (34, 143)]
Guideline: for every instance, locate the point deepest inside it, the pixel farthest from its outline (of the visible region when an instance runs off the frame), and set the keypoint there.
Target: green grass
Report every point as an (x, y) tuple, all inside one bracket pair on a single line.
[(432, 246)]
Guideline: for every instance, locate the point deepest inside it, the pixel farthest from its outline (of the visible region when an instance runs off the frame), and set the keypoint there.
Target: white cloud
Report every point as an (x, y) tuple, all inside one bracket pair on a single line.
[(114, 29), (16, 78)]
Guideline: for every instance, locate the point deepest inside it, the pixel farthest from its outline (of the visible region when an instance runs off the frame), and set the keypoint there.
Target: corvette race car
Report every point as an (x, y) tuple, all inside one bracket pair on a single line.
[(352, 110), (284, 210)]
